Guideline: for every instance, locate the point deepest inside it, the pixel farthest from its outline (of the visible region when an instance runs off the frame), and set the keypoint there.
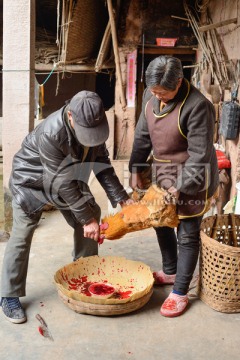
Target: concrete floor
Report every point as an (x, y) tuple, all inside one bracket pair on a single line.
[(201, 333)]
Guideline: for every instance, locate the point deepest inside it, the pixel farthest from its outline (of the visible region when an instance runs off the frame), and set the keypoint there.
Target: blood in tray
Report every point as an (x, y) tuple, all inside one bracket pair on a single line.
[(122, 294), (98, 289), (101, 289)]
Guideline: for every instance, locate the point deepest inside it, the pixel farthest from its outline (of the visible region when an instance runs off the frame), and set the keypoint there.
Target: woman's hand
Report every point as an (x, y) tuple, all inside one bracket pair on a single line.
[(136, 181), (173, 191)]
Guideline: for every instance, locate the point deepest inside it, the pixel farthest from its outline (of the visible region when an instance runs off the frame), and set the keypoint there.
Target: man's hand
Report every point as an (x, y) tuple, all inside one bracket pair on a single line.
[(102, 227), (91, 230), (136, 181)]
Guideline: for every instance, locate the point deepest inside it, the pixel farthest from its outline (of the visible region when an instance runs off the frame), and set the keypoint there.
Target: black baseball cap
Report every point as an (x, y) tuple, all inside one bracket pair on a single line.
[(89, 118)]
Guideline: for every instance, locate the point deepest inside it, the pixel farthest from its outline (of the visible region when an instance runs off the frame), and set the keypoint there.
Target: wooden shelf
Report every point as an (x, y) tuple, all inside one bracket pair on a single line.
[(164, 50)]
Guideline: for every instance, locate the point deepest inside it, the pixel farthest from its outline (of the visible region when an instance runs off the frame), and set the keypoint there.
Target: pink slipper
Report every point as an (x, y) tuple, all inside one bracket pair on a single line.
[(160, 278), (174, 305)]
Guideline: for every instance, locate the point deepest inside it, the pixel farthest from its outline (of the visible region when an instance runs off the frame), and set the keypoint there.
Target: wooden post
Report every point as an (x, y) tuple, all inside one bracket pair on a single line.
[(116, 54)]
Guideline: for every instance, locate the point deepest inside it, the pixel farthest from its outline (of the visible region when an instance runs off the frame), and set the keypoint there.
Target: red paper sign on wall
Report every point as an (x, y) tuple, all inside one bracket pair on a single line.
[(131, 78)]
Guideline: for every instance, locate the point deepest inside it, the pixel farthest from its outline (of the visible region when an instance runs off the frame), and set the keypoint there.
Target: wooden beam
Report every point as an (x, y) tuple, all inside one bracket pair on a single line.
[(159, 50), (71, 67), (190, 66), (219, 24), (116, 53), (180, 18)]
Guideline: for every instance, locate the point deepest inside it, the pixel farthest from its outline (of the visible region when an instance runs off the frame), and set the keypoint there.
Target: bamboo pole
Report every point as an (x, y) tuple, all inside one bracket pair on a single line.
[(203, 43), (180, 18), (217, 53), (103, 48), (61, 66), (67, 29), (116, 54), (233, 235)]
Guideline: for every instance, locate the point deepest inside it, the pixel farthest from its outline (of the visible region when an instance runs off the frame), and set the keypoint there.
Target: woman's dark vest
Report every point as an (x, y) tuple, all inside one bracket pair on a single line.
[(169, 155)]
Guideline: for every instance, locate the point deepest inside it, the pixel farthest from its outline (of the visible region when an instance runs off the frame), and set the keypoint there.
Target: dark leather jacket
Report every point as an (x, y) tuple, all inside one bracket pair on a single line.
[(49, 168)]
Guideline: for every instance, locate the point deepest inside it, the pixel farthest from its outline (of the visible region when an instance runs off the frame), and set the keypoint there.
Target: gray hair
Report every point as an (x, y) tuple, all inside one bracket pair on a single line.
[(164, 71)]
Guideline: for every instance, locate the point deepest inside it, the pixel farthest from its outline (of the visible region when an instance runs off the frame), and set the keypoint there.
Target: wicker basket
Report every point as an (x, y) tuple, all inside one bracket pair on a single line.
[(219, 285), (86, 30)]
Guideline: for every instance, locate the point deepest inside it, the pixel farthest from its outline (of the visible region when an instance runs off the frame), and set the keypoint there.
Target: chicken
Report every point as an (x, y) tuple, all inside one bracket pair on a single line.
[(156, 208)]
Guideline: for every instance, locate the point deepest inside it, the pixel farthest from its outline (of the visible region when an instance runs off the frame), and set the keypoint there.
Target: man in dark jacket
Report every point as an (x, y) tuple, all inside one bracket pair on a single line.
[(176, 124), (53, 166)]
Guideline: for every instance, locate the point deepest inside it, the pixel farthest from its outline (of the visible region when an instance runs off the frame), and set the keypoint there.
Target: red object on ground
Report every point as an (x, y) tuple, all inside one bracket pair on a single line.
[(223, 161), (43, 329)]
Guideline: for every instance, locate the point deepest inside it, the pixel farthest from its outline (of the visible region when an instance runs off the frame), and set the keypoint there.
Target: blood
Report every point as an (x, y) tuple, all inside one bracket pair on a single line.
[(41, 330), (122, 294), (101, 289), (101, 239), (82, 285), (85, 287)]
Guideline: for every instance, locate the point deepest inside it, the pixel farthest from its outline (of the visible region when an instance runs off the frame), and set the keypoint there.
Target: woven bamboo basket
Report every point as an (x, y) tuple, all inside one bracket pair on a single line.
[(85, 30), (219, 285), (82, 307)]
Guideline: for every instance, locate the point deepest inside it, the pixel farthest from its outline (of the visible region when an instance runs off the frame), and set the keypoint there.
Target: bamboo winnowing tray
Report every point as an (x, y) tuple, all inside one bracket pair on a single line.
[(125, 275)]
